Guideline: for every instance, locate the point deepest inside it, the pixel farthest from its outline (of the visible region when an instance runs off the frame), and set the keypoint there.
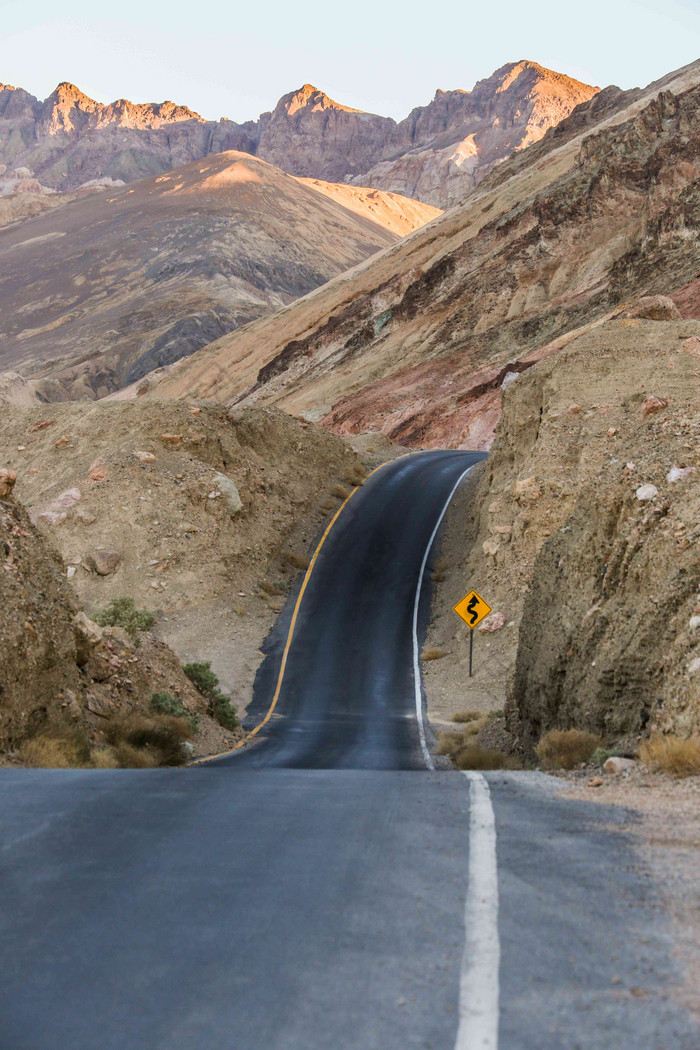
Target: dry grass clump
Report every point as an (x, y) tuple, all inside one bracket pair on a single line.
[(462, 750), (140, 742), (473, 757), (105, 758), (297, 560), (339, 492), (466, 716), (63, 749), (439, 571), (272, 587), (671, 754), (433, 654), (355, 476), (567, 748), (328, 505)]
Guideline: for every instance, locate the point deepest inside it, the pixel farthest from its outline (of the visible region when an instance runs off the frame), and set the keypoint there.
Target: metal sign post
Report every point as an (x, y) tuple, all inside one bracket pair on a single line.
[(472, 609)]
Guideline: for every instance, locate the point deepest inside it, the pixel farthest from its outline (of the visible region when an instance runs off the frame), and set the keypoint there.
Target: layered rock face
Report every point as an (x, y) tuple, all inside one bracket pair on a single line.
[(439, 152)]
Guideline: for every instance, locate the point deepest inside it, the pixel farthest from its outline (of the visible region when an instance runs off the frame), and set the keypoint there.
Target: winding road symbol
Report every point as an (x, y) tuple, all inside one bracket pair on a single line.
[(472, 609)]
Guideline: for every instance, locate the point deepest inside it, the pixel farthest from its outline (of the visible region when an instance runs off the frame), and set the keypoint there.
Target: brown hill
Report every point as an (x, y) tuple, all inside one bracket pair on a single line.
[(417, 341), (106, 287), (69, 139)]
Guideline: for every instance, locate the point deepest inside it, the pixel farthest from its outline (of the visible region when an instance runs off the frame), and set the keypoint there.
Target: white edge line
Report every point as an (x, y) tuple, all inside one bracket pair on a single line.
[(479, 976), (417, 682)]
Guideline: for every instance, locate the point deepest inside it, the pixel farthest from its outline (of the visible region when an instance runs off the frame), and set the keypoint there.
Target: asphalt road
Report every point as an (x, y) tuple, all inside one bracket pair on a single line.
[(259, 904), (347, 696)]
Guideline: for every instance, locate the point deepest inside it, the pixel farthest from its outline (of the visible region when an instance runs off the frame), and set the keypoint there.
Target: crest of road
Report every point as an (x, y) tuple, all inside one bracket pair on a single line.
[(329, 886)]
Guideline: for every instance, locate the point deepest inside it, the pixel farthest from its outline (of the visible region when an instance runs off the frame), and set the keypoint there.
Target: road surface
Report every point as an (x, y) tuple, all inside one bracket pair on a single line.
[(318, 891)]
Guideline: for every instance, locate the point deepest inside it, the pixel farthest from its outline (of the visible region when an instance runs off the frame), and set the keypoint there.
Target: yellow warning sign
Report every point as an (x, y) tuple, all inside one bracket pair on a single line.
[(472, 609)]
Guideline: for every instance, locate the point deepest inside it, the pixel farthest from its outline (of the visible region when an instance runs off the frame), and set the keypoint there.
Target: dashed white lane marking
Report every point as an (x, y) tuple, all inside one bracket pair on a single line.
[(479, 978), (416, 657)]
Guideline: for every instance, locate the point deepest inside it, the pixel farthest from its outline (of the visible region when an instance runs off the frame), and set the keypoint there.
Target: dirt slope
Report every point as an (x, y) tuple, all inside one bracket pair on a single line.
[(410, 341), (214, 574), (401, 215), (113, 284), (594, 575)]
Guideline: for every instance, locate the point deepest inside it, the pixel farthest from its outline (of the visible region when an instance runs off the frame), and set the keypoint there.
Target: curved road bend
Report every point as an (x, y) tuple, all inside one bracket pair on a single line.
[(243, 906), (347, 698)]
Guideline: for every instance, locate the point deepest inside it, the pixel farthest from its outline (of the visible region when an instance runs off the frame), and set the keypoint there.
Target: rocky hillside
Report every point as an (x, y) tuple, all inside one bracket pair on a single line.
[(70, 689), (202, 518), (440, 150), (109, 285), (418, 341), (583, 535)]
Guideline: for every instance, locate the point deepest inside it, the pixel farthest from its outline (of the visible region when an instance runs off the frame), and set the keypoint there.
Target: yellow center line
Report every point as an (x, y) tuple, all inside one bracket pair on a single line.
[(295, 614)]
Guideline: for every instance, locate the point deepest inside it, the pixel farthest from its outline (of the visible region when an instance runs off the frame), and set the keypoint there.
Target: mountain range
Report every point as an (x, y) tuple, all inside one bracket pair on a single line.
[(437, 154), (417, 341)]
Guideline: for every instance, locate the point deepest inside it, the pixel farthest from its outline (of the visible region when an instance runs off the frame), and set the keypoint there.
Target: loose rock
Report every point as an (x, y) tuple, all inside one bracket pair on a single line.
[(88, 636), (493, 622), (618, 765), (228, 490), (646, 492), (103, 560)]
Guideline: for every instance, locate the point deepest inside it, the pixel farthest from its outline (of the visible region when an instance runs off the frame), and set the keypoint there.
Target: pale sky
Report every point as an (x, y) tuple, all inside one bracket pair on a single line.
[(236, 60)]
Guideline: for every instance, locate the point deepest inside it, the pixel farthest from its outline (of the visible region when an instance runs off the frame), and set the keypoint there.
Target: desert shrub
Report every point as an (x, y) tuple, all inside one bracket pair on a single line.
[(433, 654), (165, 704), (466, 716), (129, 757), (328, 505), (297, 560), (273, 587), (61, 749), (159, 740), (104, 758), (439, 571), (339, 492), (566, 748), (220, 707), (121, 612), (355, 476), (671, 754), (473, 757)]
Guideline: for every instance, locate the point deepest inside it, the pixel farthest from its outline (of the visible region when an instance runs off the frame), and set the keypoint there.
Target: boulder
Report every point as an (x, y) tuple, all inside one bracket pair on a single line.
[(7, 482), (619, 765), (654, 308), (493, 622), (103, 560), (228, 490), (88, 636), (654, 404)]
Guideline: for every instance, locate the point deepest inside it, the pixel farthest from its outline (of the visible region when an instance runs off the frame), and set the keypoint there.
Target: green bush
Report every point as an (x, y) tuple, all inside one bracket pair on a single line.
[(121, 612), (165, 704), (220, 707)]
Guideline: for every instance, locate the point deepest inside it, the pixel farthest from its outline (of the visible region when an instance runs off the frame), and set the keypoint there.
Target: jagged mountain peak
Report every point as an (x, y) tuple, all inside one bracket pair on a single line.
[(309, 97)]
